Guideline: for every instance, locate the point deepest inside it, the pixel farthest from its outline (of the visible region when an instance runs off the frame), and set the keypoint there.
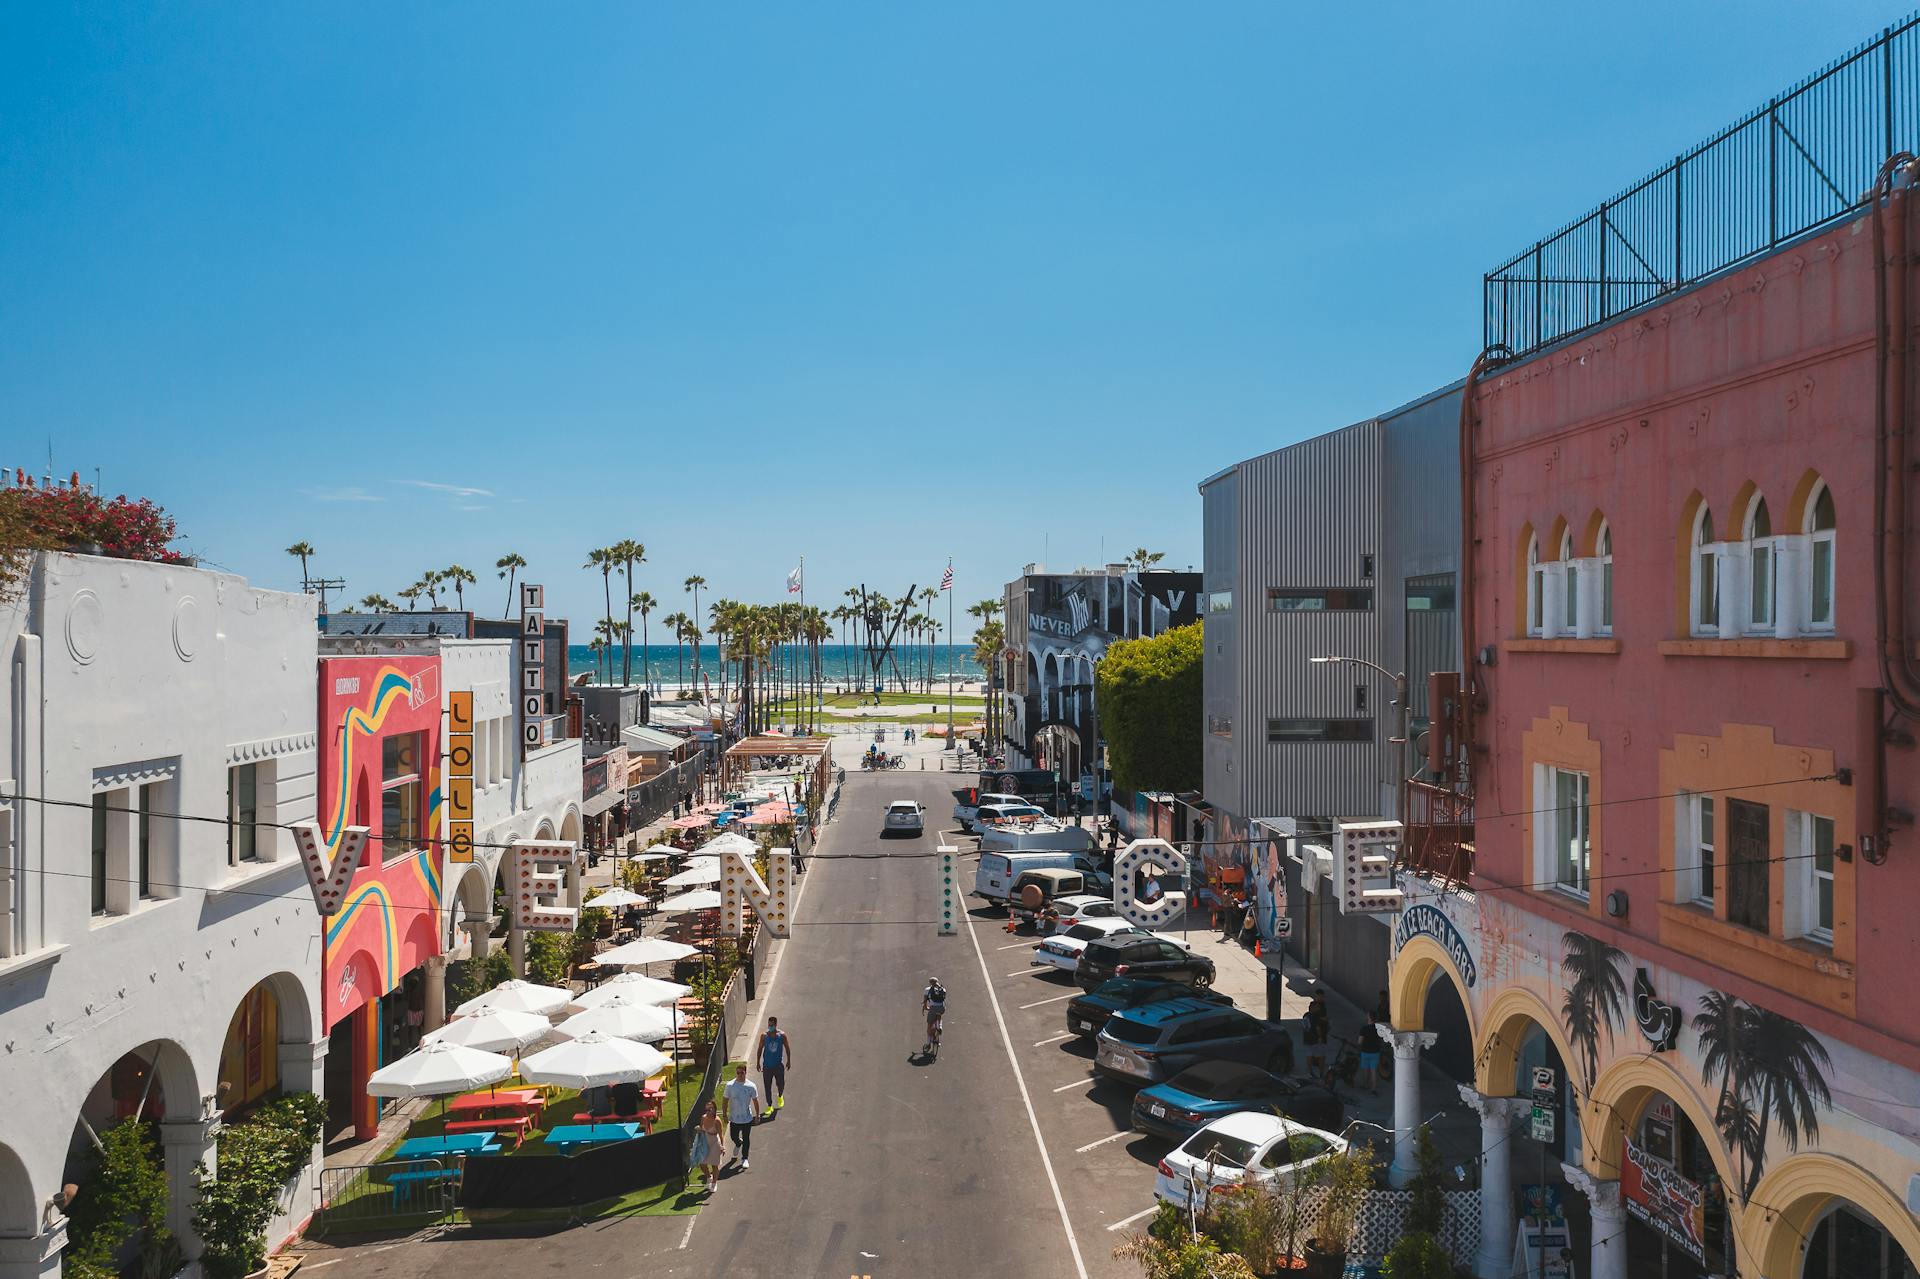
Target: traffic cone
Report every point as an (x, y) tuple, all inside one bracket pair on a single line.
[(1256, 948)]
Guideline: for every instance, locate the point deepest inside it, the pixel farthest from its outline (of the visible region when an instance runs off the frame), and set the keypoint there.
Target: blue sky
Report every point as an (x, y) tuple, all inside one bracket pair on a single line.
[(876, 284)]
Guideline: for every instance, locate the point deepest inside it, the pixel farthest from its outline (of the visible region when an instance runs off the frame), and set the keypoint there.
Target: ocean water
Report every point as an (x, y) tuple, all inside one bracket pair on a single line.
[(842, 664)]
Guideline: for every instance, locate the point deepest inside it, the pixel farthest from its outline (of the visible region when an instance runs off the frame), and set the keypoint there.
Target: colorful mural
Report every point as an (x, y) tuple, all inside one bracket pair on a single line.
[(389, 922)]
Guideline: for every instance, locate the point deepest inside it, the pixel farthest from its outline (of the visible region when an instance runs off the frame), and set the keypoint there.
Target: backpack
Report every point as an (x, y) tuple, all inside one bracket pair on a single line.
[(936, 1000)]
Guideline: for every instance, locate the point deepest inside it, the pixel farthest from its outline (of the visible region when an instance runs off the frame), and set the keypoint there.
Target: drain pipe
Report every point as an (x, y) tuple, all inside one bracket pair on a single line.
[(1471, 693)]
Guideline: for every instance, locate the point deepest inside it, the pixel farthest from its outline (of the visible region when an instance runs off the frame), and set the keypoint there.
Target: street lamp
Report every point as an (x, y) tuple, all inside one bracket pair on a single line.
[(1400, 705)]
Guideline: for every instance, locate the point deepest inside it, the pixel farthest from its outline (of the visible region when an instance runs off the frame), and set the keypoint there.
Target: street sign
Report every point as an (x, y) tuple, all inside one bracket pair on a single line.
[(1540, 1124), (1282, 928), (1543, 1079)]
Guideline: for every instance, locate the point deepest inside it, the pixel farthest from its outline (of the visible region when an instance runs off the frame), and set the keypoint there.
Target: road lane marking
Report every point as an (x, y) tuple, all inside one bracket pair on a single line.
[(1056, 1039), (1081, 1150), (1033, 1120), (1072, 994), (1078, 1083), (1144, 1212)]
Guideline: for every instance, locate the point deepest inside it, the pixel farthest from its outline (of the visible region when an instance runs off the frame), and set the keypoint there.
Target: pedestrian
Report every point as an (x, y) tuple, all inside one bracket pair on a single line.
[(743, 1108), (1250, 927), (1318, 1026), (776, 1054), (1370, 1046), (709, 1145), (1151, 890)]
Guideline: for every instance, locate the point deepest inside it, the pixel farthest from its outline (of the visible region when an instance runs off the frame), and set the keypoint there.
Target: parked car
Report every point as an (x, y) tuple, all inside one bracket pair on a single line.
[(1062, 950), (1211, 1089), (1088, 1013), (1079, 908), (1034, 891), (1150, 956), (1154, 1043), (967, 804), (903, 818), (1250, 1145), (994, 874)]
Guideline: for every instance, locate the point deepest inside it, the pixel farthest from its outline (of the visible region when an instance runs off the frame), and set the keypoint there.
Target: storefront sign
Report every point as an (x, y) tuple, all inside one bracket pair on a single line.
[(329, 880), (545, 875), (742, 889), (1424, 920), (1132, 860), (533, 668), (1655, 1192), (460, 776)]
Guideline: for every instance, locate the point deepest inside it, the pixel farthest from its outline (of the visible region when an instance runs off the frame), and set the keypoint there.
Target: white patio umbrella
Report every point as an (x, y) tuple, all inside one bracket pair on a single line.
[(721, 843), (592, 1060), (693, 877), (704, 899), (626, 1018), (439, 1070), (514, 995), (645, 950), (615, 898), (496, 1030), (647, 990)]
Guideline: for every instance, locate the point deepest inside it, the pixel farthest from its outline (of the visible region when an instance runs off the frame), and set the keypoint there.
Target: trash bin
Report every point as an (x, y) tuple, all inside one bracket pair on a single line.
[(1276, 989)]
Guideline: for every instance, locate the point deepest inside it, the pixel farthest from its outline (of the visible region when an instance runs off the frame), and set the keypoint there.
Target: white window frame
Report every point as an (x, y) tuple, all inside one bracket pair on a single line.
[(1763, 570), (1703, 605), (1804, 876), (1570, 587), (1603, 554), (235, 858), (1547, 832), (1821, 540), (1695, 816)]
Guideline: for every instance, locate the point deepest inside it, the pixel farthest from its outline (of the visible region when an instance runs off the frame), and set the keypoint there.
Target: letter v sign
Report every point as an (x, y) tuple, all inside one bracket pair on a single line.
[(330, 883)]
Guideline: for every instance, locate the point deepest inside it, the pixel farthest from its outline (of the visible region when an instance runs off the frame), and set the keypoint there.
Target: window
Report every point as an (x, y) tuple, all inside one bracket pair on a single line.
[(1693, 848), (1220, 602), (1536, 589), (99, 861), (1356, 600), (1435, 593), (1706, 584), (1319, 730), (1220, 725), (243, 811), (143, 839), (1366, 568), (1810, 870), (1603, 549), (1360, 697), (1761, 565), (1569, 584), (400, 785), (1820, 523), (1563, 841), (1749, 865)]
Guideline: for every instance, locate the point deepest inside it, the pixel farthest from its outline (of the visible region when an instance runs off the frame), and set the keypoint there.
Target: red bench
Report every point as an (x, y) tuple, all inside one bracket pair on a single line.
[(518, 1125)]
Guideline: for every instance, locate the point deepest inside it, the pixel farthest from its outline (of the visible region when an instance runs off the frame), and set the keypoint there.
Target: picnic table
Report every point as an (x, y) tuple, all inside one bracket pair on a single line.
[(566, 1136), (510, 1099), (465, 1143)]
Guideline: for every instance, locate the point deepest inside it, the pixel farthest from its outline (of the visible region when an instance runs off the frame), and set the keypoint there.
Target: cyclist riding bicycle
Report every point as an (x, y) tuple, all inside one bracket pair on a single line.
[(934, 1003)]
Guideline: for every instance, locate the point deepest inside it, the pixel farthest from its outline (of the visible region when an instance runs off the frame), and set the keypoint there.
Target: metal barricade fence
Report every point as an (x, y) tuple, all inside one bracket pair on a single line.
[(394, 1193)]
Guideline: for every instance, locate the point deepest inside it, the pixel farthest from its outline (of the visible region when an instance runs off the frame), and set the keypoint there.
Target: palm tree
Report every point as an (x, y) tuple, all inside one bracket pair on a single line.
[(692, 585), (430, 587), (1143, 559), (1596, 995), (461, 578), (1767, 1067), (378, 604), (628, 552), (509, 565), (302, 551), (412, 594), (602, 558), (645, 602), (596, 646), (676, 627)]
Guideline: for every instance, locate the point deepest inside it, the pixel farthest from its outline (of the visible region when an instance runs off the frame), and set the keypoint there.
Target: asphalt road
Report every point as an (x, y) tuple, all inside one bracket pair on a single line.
[(881, 1164)]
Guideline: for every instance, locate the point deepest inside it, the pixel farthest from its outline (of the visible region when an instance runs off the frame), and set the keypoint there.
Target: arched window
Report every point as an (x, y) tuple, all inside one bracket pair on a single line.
[(1536, 588), (1820, 523), (1761, 564), (1569, 585), (1705, 592), (1603, 551)]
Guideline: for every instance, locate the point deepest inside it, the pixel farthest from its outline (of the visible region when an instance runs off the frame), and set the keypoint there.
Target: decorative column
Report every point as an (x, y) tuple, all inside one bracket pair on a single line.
[(187, 1145), (1609, 1255), (35, 1256), (1495, 1259), (1406, 1099), (479, 936), (435, 993), (517, 950)]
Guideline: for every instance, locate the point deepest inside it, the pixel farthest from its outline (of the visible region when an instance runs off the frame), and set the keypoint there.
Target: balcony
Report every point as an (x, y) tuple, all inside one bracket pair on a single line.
[(1439, 834)]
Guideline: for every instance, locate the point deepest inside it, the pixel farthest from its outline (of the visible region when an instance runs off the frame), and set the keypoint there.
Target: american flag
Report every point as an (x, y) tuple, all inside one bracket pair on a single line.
[(946, 579)]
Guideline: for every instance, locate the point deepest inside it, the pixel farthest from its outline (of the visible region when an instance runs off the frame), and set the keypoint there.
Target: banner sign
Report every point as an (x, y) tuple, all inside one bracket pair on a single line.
[(1424, 920), (533, 668), (460, 776), (1657, 1194)]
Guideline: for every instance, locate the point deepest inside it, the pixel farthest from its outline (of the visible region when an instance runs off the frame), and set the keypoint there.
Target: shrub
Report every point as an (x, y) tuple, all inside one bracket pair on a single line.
[(1428, 1210), (1148, 691), (1183, 1257), (1346, 1178), (123, 1198), (1417, 1255), (549, 956), (256, 1159)]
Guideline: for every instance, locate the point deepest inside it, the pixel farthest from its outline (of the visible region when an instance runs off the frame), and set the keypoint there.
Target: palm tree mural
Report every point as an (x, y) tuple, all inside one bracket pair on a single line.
[(1769, 1068), (1596, 995)]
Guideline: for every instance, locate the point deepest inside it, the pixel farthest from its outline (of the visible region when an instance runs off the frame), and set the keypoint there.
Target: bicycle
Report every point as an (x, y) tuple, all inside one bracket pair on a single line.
[(1344, 1066)]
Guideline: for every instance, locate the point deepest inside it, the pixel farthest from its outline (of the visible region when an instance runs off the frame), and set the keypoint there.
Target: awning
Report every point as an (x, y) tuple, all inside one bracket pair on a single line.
[(651, 741), (607, 800)]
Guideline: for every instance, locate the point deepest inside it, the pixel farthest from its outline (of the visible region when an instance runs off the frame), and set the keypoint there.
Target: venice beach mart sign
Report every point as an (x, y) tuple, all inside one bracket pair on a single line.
[(1423, 920)]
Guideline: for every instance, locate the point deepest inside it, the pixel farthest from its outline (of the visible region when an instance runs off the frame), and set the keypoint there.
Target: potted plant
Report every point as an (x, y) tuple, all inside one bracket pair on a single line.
[(1343, 1181), (1417, 1255), (255, 1160), (1266, 1222)]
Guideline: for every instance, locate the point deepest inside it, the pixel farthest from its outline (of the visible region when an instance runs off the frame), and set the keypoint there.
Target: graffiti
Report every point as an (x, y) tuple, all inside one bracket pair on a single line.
[(1657, 1194), (1767, 1067), (1423, 920), (1596, 996)]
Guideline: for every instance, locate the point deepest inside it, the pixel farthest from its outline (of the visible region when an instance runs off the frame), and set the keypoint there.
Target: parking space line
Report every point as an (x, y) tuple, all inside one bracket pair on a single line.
[(1078, 1083), (1072, 994), (1144, 1212), (1081, 1150), (1032, 969), (1056, 1039), (1017, 945)]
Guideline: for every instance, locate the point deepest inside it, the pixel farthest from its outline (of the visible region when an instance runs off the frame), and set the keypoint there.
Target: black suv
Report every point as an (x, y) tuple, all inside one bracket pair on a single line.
[(1132, 955), (1086, 1014)]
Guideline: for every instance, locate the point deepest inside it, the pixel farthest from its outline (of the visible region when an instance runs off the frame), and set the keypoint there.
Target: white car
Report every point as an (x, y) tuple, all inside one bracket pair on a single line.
[(903, 817), (1249, 1145), (965, 813), (1081, 908), (1062, 950)]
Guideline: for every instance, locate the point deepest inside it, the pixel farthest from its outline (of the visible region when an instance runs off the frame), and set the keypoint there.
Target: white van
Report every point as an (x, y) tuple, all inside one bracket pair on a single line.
[(969, 803), (994, 876)]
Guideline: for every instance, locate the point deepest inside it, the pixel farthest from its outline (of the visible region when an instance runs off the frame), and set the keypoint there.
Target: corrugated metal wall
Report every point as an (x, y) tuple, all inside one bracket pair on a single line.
[(1220, 703)]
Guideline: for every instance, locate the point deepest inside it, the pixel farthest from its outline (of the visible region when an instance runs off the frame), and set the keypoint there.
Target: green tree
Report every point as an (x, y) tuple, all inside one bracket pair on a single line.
[(378, 604), (509, 565), (1417, 1255), (302, 551), (1147, 692), (548, 956), (123, 1198), (1144, 559), (460, 578), (627, 553)]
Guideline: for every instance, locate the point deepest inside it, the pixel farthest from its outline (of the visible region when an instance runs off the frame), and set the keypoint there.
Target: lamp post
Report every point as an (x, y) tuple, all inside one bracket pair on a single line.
[(1400, 721)]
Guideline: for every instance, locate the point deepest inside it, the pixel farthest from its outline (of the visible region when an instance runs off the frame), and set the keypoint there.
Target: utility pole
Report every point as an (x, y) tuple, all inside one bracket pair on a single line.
[(947, 586)]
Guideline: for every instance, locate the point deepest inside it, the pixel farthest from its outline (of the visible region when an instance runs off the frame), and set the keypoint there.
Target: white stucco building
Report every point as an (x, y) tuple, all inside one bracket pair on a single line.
[(148, 964)]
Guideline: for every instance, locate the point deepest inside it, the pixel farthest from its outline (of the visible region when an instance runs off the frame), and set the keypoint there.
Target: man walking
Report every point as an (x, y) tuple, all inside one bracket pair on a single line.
[(776, 1054), (743, 1107)]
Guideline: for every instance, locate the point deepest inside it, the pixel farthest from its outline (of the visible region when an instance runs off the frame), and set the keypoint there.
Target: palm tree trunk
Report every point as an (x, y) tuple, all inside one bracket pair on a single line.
[(509, 612), (626, 639), (646, 660)]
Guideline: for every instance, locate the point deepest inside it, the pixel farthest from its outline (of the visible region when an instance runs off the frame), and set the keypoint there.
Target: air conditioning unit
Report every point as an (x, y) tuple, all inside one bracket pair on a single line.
[(1363, 852)]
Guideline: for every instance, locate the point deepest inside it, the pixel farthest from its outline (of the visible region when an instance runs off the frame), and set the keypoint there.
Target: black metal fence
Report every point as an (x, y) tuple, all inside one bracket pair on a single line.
[(1804, 159)]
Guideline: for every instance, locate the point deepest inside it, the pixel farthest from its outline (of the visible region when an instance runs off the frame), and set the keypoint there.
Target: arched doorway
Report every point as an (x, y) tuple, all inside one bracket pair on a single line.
[(1669, 1159), (147, 1091), (1428, 992), (250, 1054), (1847, 1243), (18, 1218)]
